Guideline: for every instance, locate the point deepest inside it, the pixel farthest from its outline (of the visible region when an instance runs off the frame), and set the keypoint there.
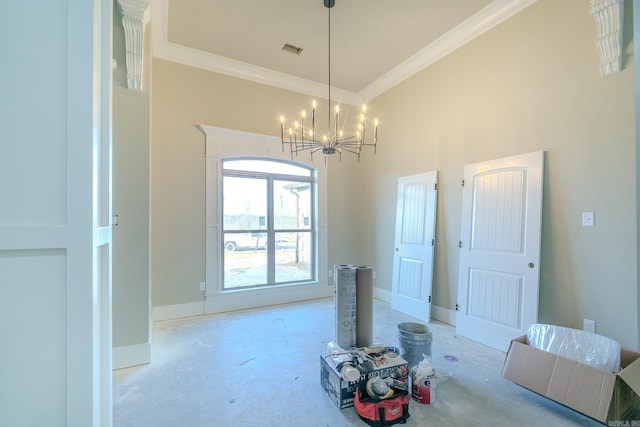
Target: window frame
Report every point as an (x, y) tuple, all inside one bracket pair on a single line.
[(271, 231), (222, 143)]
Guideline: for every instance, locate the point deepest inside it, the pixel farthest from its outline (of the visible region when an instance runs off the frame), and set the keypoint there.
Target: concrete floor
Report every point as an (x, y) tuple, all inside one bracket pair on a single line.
[(261, 368)]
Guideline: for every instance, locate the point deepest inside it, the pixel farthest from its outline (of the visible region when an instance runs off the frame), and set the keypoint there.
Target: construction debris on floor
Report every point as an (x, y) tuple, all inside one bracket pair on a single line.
[(578, 369), (341, 371)]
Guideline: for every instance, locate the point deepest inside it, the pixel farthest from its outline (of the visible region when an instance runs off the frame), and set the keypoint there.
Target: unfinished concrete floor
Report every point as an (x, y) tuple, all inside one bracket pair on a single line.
[(261, 368)]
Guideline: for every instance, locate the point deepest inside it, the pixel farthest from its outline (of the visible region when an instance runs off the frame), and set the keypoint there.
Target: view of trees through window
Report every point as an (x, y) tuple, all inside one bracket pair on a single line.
[(268, 217)]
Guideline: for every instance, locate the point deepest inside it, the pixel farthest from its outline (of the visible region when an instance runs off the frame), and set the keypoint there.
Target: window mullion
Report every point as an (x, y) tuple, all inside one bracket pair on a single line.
[(271, 235)]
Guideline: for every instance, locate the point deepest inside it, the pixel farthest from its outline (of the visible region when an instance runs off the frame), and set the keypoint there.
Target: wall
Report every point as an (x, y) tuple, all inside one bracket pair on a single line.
[(530, 84), (131, 145), (184, 97)]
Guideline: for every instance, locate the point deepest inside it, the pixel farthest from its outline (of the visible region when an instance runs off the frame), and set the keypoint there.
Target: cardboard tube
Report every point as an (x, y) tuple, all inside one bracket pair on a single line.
[(345, 302), (364, 306)]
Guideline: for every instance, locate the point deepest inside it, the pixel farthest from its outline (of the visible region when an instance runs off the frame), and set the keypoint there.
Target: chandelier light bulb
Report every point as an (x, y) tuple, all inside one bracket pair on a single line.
[(303, 135)]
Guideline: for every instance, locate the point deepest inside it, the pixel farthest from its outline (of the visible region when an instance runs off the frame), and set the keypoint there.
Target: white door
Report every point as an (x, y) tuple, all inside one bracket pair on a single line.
[(500, 249), (414, 245)]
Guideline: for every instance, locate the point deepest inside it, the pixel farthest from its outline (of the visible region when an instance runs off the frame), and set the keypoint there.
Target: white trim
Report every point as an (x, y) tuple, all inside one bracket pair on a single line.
[(221, 143), (438, 313), (131, 355), (242, 300), (219, 64), (444, 315), (476, 25), (176, 311), (135, 16), (609, 17)]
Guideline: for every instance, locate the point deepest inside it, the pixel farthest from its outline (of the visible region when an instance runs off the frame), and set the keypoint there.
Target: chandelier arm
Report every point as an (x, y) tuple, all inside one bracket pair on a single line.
[(330, 144)]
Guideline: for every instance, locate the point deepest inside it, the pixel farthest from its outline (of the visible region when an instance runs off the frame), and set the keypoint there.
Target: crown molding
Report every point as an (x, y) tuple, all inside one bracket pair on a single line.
[(487, 18), (219, 64), (476, 25)]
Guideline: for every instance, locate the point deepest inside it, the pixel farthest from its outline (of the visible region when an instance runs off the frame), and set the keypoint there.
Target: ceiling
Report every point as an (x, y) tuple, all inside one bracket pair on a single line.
[(375, 44)]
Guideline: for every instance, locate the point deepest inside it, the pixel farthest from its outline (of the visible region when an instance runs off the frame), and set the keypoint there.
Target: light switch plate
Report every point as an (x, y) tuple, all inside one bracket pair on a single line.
[(588, 219)]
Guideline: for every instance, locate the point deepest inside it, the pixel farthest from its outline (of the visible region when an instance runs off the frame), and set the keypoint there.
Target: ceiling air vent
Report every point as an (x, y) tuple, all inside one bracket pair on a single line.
[(292, 49)]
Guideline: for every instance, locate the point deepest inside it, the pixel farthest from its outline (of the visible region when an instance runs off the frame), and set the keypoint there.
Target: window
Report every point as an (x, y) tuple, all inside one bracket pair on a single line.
[(268, 222)]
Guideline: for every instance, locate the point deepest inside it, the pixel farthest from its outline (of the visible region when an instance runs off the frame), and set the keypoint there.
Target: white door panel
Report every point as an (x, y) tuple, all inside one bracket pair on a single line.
[(500, 249), (414, 245)]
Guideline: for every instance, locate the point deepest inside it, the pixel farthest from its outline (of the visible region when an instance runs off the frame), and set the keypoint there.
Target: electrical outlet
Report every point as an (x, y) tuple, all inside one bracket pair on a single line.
[(589, 325), (202, 286)]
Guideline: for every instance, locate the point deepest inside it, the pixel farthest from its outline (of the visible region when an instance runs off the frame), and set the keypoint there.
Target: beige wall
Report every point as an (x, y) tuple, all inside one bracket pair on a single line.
[(184, 97), (530, 84), (131, 140)]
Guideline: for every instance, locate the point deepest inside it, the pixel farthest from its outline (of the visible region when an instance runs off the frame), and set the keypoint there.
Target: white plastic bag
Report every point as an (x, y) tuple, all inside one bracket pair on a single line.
[(585, 347)]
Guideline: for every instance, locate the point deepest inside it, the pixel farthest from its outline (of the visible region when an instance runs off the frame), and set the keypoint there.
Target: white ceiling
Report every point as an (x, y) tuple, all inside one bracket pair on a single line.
[(375, 44)]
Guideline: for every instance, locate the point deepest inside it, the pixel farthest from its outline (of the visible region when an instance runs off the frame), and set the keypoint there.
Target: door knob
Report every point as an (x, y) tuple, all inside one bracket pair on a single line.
[(531, 265)]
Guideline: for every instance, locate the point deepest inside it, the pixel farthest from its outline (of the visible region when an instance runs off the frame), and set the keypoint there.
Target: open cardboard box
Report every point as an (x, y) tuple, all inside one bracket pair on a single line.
[(604, 396)]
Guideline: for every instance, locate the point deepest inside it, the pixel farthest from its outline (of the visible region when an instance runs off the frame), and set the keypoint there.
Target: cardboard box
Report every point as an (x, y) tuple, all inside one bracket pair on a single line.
[(603, 396), (342, 392)]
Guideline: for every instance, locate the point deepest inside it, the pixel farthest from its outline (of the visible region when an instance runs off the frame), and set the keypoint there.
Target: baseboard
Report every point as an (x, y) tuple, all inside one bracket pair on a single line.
[(382, 294), (443, 315), (242, 300), (438, 313), (176, 311), (131, 355)]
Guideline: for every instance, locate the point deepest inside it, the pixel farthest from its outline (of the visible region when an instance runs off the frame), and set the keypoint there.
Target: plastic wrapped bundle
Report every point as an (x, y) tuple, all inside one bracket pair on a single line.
[(584, 347)]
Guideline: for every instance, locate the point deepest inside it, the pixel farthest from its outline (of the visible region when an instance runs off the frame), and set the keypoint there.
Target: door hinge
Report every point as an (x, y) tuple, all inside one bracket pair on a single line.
[(433, 242), (457, 307), (429, 298), (460, 243), (435, 186), (462, 182)]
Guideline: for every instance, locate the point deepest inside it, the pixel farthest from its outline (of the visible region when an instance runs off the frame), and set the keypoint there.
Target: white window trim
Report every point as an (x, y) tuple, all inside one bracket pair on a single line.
[(221, 143)]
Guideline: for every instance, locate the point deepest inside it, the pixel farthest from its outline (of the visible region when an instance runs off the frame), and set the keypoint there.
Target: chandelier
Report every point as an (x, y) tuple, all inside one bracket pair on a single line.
[(301, 136)]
